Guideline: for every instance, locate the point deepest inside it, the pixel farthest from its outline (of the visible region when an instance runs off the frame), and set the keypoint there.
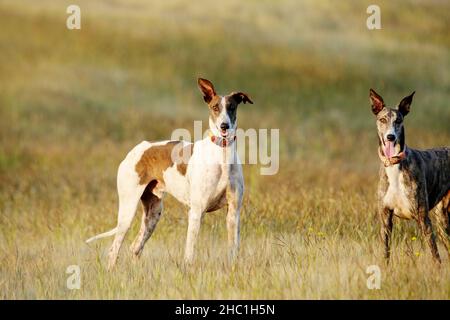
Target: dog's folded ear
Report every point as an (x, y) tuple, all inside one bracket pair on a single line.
[(241, 97), (405, 104), (377, 102), (207, 88)]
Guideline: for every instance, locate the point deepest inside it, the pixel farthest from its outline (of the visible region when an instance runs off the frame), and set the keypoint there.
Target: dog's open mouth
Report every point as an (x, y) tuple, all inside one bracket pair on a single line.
[(389, 149)]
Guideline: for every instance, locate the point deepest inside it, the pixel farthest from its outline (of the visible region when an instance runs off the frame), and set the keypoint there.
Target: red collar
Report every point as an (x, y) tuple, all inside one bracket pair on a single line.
[(392, 160), (221, 141)]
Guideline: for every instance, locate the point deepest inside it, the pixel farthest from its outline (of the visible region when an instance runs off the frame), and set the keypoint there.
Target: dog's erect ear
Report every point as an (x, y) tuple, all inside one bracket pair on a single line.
[(377, 102), (207, 88), (405, 104), (241, 97)]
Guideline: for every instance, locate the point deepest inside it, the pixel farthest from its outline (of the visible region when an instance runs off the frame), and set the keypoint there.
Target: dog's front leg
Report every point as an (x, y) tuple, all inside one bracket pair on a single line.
[(233, 229), (233, 222), (195, 217), (386, 217)]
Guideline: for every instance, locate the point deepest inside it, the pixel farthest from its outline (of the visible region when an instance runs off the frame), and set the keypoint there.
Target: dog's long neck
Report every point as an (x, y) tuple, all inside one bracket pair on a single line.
[(224, 155)]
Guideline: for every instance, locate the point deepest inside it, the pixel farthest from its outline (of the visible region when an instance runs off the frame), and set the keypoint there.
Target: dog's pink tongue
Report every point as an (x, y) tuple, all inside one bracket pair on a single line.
[(389, 149)]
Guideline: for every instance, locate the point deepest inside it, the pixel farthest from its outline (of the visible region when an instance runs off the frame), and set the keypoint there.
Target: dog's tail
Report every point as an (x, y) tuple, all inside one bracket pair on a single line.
[(103, 235)]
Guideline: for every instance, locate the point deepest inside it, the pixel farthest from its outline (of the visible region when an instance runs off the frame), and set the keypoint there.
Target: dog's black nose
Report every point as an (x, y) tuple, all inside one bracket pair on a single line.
[(224, 126), (391, 137)]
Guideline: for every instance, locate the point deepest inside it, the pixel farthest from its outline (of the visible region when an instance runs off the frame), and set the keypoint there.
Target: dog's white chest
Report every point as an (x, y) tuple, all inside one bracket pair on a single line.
[(208, 175), (396, 195)]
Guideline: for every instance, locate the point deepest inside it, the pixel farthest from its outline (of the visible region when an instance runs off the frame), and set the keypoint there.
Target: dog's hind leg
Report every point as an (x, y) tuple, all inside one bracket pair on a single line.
[(443, 221), (152, 209), (130, 192), (127, 211)]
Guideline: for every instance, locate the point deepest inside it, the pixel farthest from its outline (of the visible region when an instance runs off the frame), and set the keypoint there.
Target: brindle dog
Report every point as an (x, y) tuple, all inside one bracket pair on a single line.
[(412, 182)]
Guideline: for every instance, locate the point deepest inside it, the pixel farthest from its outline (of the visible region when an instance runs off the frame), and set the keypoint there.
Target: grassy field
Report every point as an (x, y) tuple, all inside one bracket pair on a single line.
[(73, 103)]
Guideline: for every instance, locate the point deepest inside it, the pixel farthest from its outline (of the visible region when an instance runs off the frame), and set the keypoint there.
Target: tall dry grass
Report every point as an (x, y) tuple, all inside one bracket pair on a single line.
[(72, 103)]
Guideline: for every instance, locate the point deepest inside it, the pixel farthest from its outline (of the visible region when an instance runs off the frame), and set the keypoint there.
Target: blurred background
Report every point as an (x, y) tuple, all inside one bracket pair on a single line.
[(74, 102)]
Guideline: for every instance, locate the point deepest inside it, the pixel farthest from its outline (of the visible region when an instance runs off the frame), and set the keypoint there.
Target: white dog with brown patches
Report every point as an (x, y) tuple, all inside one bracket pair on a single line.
[(205, 176)]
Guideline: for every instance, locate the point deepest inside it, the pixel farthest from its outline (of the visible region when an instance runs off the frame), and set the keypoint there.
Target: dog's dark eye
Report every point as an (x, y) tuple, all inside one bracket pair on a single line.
[(216, 108), (383, 120)]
